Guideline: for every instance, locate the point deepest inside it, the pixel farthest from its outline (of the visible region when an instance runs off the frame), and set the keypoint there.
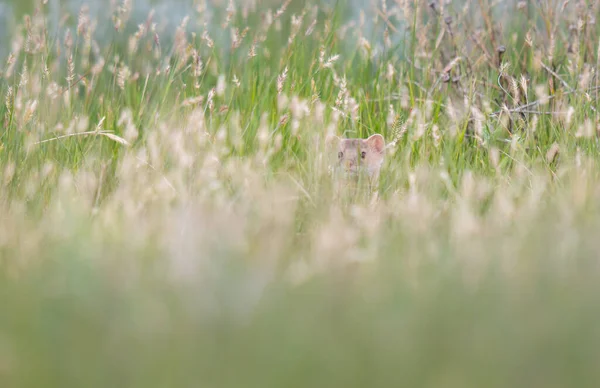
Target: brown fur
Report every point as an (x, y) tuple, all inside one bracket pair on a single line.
[(350, 157)]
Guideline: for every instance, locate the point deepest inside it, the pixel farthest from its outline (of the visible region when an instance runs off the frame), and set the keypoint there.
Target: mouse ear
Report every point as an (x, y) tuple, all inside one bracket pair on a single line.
[(376, 143)]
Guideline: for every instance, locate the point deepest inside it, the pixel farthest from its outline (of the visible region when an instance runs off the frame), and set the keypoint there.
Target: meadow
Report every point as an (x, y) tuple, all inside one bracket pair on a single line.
[(168, 217)]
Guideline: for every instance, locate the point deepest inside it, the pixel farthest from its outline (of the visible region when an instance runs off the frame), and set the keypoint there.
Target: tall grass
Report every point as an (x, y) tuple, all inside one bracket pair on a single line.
[(168, 218)]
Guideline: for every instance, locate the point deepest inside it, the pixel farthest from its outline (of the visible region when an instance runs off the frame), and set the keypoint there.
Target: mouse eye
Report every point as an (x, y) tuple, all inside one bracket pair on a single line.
[(340, 154), (363, 154)]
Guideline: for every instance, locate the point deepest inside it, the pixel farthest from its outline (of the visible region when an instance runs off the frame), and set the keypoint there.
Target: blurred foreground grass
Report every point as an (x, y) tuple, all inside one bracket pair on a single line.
[(168, 219)]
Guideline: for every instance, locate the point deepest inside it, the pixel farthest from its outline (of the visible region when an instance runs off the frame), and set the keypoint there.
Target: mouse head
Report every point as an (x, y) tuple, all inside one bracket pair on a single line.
[(357, 155)]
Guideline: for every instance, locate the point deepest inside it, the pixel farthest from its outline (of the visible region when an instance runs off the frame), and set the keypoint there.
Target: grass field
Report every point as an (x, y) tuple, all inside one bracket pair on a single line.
[(168, 219)]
